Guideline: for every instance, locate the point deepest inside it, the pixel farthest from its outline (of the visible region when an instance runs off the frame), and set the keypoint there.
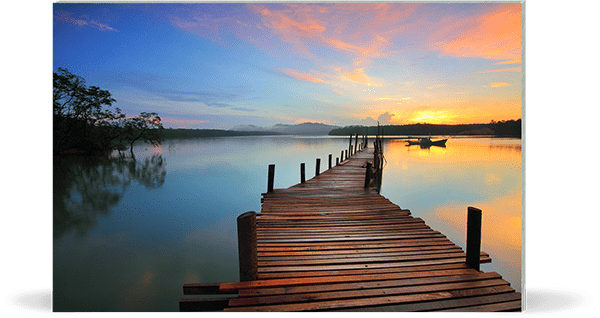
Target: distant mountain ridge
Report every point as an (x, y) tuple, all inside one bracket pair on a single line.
[(299, 129)]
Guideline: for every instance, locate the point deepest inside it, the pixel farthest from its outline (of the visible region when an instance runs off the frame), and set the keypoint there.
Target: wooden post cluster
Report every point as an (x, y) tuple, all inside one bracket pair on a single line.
[(473, 237), (248, 257), (271, 178)]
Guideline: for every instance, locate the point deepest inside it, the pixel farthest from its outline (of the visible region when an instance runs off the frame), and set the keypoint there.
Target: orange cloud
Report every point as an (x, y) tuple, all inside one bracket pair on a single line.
[(359, 77), (307, 25), (496, 35), (515, 61), (512, 69), (302, 76), (499, 84)]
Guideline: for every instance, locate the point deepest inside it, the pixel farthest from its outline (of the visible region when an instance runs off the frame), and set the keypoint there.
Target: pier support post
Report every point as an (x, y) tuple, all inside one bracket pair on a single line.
[(342, 156), (356, 143), (271, 178), (337, 161), (302, 173), (318, 167), (330, 159), (346, 154), (248, 258), (473, 237), (368, 175)]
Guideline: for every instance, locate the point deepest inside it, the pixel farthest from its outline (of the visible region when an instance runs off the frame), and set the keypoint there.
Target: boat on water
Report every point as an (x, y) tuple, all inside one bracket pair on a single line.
[(427, 142)]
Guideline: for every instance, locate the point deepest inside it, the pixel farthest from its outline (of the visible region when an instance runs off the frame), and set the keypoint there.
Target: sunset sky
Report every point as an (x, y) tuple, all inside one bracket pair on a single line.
[(220, 65)]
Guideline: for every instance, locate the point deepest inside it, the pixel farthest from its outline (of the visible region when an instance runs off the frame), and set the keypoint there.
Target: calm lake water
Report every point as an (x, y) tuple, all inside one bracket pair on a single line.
[(128, 235)]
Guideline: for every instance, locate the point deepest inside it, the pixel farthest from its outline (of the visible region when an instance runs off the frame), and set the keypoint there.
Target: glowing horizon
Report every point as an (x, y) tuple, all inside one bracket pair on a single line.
[(220, 65)]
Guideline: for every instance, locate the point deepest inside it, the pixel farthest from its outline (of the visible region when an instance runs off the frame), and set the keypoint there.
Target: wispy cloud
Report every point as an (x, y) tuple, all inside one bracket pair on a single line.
[(515, 61), (512, 69), (302, 76), (66, 17), (499, 84)]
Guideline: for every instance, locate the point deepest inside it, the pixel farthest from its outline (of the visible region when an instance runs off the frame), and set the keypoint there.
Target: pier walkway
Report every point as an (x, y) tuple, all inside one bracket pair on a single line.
[(332, 244)]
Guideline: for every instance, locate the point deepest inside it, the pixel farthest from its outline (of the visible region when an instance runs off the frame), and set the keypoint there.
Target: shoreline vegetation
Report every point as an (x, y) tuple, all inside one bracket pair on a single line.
[(510, 128)]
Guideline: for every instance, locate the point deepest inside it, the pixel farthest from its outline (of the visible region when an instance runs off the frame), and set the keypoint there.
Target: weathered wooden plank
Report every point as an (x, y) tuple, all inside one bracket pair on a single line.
[(369, 271), (374, 301), (301, 281), (514, 305), (419, 278), (442, 305), (364, 293)]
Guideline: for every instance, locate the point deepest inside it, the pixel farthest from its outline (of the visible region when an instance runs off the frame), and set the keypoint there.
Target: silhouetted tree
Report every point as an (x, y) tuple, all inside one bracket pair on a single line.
[(84, 121)]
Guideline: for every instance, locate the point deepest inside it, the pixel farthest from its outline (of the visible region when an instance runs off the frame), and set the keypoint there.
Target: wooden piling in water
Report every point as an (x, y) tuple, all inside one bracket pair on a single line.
[(473, 237), (302, 173), (271, 178), (337, 161), (318, 167), (368, 174), (247, 245), (330, 159)]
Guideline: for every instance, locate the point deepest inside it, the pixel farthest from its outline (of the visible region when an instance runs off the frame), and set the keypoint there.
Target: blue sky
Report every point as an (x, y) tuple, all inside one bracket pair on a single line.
[(220, 65)]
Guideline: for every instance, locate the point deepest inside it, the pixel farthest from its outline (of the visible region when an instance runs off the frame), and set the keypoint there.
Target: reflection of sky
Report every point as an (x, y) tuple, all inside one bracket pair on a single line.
[(139, 254), (438, 184)]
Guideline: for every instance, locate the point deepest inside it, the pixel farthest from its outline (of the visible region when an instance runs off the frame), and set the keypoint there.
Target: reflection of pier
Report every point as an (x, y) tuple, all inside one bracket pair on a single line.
[(334, 243)]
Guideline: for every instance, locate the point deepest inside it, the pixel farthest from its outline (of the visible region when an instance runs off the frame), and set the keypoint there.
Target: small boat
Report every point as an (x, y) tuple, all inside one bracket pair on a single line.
[(427, 142)]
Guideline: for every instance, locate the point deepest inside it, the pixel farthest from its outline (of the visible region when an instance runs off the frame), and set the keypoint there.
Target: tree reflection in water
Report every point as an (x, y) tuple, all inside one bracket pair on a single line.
[(85, 188)]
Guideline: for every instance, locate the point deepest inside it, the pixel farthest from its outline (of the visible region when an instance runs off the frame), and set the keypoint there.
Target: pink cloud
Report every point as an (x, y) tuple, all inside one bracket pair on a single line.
[(499, 84), (302, 76), (495, 35)]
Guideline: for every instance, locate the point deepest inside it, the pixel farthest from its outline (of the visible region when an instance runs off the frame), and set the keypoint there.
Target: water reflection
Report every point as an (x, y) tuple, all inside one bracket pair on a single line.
[(85, 188), (438, 184)]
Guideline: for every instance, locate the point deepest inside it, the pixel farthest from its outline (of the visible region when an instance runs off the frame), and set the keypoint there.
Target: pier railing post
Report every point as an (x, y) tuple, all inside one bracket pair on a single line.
[(368, 175), (248, 257), (337, 161), (346, 154), (330, 159), (271, 178), (302, 173), (342, 156), (473, 237), (318, 167)]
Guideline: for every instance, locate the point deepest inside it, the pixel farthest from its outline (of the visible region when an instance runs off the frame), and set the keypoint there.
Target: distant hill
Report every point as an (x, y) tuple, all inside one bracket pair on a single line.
[(199, 133), (510, 128), (300, 129)]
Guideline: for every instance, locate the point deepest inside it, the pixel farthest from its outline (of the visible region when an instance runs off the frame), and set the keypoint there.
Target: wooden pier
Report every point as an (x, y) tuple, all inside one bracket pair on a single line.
[(333, 243)]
